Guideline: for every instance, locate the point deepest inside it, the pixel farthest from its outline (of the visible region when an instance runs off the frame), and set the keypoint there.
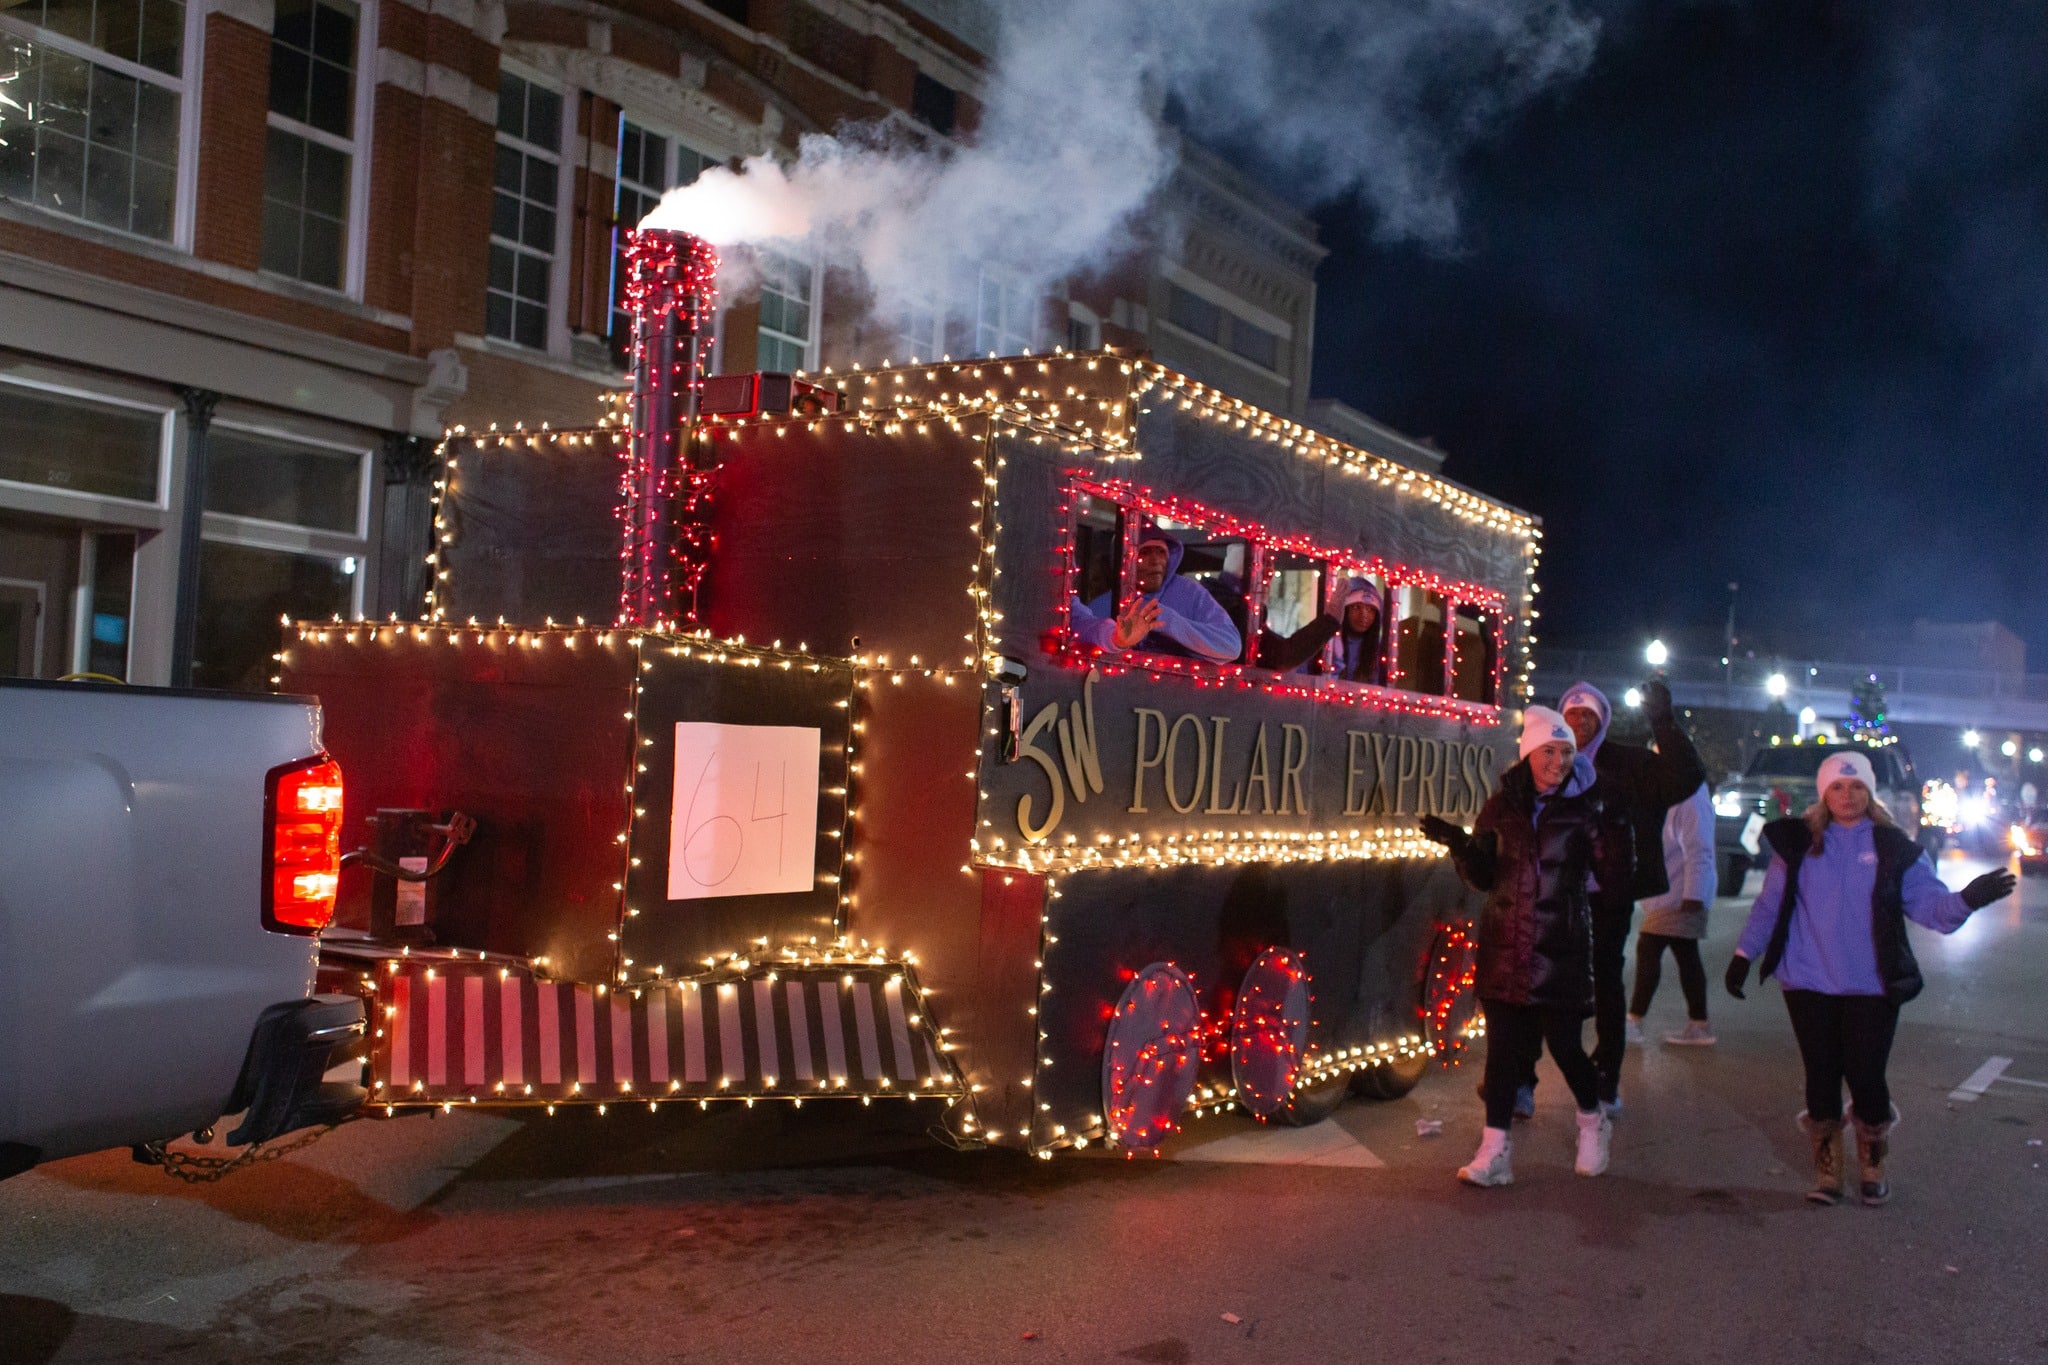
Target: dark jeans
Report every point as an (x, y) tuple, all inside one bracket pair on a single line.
[(1844, 1038), (1692, 976), (1612, 916), (1515, 1038)]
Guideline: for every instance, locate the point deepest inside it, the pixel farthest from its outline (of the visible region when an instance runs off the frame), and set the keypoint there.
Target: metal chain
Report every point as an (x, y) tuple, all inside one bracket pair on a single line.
[(194, 1169)]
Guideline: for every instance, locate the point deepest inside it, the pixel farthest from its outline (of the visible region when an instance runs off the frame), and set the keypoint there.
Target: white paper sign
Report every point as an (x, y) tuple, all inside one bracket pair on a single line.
[(745, 818)]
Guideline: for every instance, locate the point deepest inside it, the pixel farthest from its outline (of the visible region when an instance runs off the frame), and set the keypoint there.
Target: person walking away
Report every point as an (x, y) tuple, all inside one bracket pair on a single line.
[(1638, 785), (1830, 922), (1676, 920), (1537, 840)]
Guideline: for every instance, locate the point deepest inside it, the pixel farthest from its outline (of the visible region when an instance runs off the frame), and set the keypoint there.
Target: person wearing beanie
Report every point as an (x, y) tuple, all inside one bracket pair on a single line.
[(1830, 922), (1537, 840), (1361, 613), (1639, 785), (1677, 920)]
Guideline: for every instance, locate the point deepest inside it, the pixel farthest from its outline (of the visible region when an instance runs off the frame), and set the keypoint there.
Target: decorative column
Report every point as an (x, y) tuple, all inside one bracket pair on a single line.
[(191, 523), (665, 501)]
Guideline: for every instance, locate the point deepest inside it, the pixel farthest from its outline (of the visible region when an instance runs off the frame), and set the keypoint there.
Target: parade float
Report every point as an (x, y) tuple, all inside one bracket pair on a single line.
[(751, 750)]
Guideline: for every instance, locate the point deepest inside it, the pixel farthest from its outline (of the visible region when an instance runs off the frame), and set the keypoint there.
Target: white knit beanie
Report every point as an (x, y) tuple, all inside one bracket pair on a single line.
[(1845, 763), (1541, 726)]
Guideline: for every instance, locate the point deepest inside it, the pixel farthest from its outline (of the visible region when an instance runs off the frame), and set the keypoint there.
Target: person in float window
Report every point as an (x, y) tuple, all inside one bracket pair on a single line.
[(1360, 635), (1831, 922), (1537, 840), (1168, 614)]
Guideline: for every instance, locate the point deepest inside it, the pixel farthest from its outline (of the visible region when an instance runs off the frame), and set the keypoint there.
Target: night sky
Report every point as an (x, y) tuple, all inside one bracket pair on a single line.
[(1761, 296)]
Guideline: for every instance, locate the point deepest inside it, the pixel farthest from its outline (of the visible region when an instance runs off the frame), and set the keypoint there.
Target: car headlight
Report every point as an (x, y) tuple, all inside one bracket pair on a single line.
[(1727, 804)]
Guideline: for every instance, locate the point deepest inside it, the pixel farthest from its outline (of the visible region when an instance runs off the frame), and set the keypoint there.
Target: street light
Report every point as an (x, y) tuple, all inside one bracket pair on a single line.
[(2009, 748), (1776, 685), (1970, 738), (2034, 754), (1807, 715), (1657, 654), (1633, 697)]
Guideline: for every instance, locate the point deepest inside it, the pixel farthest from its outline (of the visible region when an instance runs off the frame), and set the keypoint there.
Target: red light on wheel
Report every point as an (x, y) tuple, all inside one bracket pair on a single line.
[(301, 845)]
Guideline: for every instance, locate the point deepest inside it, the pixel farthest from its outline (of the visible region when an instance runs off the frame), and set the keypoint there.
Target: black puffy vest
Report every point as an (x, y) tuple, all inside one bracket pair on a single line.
[(1896, 967)]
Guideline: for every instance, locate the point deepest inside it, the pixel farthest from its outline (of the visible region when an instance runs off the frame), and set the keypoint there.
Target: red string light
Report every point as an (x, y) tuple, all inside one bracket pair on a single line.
[(665, 502)]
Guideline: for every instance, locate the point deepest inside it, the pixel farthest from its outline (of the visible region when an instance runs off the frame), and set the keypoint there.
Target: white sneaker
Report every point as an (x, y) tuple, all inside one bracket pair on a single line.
[(1489, 1165), (1596, 1130), (1634, 1032), (1696, 1033)]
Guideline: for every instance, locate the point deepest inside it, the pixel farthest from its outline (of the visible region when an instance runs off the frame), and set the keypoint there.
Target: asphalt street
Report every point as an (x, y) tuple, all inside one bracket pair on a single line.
[(845, 1234)]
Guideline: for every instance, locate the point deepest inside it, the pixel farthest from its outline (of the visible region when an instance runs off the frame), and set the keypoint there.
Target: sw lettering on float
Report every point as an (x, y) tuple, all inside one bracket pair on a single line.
[(1193, 764)]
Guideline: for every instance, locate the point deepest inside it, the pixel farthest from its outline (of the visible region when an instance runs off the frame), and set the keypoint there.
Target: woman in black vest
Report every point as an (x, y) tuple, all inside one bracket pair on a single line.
[(1831, 922)]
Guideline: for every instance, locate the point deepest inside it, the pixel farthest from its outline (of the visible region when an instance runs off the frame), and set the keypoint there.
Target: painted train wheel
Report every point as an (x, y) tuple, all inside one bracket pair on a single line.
[(1150, 1057), (1446, 1008), (1269, 1031)]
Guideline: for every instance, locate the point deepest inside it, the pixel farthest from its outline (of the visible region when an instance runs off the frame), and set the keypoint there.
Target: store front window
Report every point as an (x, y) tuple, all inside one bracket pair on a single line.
[(55, 440), (244, 593)]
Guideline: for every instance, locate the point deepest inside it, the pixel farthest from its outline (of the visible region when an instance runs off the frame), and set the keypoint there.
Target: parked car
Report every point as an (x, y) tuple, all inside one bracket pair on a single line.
[(167, 860), (1779, 781)]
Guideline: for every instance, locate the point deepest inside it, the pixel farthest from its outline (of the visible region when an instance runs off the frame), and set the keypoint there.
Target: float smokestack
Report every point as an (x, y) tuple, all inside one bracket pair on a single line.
[(670, 293)]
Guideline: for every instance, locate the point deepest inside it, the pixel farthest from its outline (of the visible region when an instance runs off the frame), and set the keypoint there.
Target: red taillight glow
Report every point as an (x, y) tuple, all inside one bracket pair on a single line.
[(302, 845)]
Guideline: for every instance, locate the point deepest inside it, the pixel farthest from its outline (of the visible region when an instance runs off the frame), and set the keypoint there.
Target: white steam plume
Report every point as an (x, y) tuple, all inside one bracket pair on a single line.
[(1376, 97)]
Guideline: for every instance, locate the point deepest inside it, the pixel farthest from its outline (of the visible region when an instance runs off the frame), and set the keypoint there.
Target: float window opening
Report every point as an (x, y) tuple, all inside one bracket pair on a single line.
[(1098, 547), (1475, 656), (1294, 628), (1419, 642)]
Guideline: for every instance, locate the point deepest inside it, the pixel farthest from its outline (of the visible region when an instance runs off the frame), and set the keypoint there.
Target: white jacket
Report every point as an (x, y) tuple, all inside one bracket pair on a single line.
[(1689, 865)]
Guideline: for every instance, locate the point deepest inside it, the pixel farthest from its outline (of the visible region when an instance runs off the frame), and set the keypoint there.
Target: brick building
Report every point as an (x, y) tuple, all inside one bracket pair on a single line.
[(256, 254)]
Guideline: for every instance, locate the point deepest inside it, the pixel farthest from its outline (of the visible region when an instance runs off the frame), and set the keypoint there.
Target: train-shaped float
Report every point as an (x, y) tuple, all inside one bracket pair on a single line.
[(1041, 736)]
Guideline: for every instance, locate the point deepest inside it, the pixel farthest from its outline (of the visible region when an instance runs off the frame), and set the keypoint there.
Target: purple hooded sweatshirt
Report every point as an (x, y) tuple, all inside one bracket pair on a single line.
[(1191, 624)]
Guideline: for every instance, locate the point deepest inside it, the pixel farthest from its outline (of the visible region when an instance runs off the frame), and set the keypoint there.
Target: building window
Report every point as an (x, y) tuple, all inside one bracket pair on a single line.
[(1255, 344), (933, 104), (1084, 328), (92, 131), (310, 146), (650, 164), (523, 214), (284, 537), (1194, 314), (786, 291), (54, 440), (921, 329), (1006, 319)]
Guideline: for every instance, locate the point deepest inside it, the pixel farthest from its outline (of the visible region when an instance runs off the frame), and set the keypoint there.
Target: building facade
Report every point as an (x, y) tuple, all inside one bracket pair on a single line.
[(256, 254)]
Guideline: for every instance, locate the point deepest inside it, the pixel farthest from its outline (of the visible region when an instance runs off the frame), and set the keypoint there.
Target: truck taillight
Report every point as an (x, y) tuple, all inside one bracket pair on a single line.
[(301, 845)]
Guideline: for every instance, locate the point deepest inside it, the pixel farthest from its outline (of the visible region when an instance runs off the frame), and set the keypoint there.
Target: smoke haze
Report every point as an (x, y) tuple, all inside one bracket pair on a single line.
[(1323, 97)]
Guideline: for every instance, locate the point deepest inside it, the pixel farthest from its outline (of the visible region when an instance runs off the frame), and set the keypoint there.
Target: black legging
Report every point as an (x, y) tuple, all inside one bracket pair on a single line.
[(1515, 1038), (1841, 1038), (1692, 975), (1612, 916)]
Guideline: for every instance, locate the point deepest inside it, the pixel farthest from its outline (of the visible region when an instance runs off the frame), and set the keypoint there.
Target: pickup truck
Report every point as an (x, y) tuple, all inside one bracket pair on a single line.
[(1779, 781), (167, 861)]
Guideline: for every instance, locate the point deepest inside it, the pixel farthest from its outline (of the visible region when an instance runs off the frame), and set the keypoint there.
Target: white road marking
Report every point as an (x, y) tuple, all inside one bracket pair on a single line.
[(2015, 1080), (1980, 1079)]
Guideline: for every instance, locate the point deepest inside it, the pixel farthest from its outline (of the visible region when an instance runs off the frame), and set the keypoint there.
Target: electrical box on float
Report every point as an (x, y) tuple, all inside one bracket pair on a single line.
[(799, 751)]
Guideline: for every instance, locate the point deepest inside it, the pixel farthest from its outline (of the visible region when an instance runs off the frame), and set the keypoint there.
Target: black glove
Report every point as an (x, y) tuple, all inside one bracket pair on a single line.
[(1439, 830), (1992, 886), (1738, 974), (1656, 701)]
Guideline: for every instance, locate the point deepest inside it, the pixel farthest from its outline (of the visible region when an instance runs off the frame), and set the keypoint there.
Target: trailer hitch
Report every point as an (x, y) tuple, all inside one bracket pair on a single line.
[(454, 833)]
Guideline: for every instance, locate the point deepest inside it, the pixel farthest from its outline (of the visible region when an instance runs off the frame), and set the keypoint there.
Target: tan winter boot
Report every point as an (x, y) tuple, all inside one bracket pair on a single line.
[(1489, 1165), (1826, 1137), (1873, 1143)]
